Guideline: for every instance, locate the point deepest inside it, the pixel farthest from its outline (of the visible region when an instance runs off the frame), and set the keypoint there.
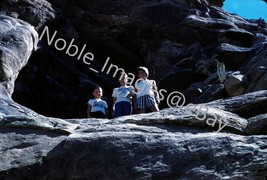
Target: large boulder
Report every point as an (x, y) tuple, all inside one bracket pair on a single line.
[(18, 40), (257, 125), (174, 143), (247, 105), (235, 84)]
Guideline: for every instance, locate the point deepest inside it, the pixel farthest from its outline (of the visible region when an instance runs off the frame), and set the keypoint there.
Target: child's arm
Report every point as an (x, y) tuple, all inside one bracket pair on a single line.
[(106, 112), (155, 89), (113, 104), (131, 94), (89, 107), (114, 97)]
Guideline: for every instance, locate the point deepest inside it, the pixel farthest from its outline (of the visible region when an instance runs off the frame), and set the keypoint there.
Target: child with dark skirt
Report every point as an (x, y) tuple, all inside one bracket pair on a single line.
[(147, 93)]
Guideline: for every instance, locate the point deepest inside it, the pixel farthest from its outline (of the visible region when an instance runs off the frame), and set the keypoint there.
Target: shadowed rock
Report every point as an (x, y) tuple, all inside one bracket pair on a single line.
[(247, 105), (176, 40), (180, 42), (257, 125), (235, 85)]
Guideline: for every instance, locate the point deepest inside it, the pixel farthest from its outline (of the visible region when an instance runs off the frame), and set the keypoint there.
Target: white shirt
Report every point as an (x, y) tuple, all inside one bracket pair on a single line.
[(98, 105), (144, 87), (122, 92)]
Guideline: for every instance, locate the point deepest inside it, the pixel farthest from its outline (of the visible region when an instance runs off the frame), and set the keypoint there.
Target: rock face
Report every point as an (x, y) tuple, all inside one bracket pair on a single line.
[(221, 138), (18, 40), (180, 45), (169, 144)]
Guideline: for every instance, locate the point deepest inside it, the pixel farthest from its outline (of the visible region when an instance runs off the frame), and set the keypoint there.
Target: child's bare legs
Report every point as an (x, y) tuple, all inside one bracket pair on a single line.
[(154, 108), (141, 111)]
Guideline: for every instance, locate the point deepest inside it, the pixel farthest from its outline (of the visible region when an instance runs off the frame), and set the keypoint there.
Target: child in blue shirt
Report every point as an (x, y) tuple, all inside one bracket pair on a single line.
[(97, 108)]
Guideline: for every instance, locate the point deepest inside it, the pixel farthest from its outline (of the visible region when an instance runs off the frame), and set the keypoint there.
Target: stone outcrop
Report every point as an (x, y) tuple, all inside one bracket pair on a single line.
[(247, 105), (257, 124), (181, 42), (18, 40), (235, 84), (169, 144)]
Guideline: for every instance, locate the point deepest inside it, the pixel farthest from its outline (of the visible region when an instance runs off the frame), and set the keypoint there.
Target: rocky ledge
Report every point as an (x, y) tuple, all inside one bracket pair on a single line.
[(170, 144)]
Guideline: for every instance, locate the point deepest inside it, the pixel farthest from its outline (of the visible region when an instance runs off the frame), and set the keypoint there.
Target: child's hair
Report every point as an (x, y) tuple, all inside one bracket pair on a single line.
[(122, 74), (142, 68), (96, 87)]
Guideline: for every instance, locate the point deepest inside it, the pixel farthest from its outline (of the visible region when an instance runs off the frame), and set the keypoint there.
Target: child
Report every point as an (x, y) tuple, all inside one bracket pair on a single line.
[(97, 108), (122, 103), (147, 94)]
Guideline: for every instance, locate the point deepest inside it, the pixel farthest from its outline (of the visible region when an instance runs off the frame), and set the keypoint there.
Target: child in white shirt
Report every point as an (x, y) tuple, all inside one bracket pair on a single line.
[(147, 94), (97, 107), (122, 98)]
